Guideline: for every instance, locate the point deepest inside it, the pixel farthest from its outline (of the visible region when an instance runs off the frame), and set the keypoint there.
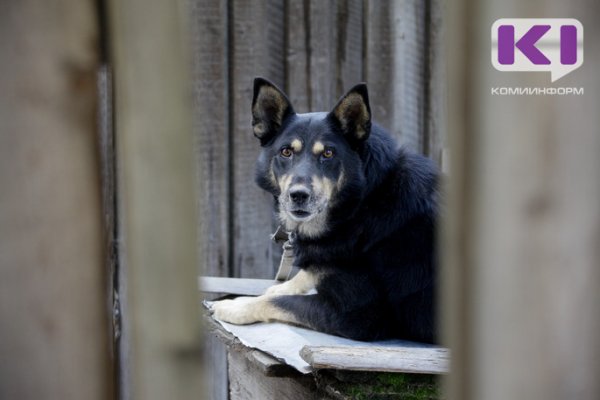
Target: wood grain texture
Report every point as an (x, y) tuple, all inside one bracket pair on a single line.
[(257, 50), (414, 360), (156, 180), (323, 51), (408, 84), (54, 340), (208, 21), (349, 48), (248, 383), (379, 62), (522, 278)]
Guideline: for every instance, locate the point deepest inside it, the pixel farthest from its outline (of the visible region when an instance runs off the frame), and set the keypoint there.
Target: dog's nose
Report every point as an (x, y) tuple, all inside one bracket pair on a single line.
[(299, 195)]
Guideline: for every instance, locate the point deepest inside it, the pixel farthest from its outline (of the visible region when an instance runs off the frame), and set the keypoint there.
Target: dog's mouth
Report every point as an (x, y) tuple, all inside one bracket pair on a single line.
[(300, 215)]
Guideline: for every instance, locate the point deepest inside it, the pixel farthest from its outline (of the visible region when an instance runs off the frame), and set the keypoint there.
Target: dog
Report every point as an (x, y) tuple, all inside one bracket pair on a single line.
[(362, 212)]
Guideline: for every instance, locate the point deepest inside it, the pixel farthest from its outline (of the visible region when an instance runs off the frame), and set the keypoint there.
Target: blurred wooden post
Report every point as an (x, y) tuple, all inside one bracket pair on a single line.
[(522, 279), (156, 183), (53, 339)]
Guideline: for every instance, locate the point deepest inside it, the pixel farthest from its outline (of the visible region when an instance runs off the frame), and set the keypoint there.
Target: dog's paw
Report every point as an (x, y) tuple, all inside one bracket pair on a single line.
[(239, 311)]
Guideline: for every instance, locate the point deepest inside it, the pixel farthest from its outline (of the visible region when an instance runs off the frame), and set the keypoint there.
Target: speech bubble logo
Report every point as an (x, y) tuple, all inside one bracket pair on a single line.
[(537, 44)]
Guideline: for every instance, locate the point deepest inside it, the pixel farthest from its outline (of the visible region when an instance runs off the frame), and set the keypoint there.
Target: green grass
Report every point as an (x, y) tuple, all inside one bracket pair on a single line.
[(386, 386)]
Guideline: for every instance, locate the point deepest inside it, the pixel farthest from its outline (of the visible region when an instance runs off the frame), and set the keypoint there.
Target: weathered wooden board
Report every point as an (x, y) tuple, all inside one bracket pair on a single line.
[(156, 180), (257, 48), (409, 85), (247, 382), (55, 325), (348, 59), (379, 61), (522, 276), (396, 68), (298, 55), (239, 286), (210, 74), (322, 41), (414, 360)]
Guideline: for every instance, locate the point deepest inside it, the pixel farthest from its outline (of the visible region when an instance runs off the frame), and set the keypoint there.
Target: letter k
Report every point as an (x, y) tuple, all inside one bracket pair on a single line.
[(527, 44)]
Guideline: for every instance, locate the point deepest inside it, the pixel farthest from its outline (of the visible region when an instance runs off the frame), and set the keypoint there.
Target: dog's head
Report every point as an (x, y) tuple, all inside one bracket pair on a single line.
[(310, 162)]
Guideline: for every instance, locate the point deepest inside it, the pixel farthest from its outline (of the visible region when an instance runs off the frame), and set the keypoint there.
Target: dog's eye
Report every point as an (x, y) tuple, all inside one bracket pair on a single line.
[(328, 153), (286, 152)]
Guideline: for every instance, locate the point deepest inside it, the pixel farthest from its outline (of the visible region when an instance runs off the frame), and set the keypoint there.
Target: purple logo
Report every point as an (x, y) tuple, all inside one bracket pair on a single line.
[(537, 44)]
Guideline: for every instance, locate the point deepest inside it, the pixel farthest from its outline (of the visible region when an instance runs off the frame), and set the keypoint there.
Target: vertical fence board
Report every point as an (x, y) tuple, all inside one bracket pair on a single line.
[(523, 278), (156, 180), (208, 28), (379, 62), (257, 49), (409, 84), (435, 137), (298, 54), (210, 74), (323, 41), (396, 66), (349, 55), (54, 342)]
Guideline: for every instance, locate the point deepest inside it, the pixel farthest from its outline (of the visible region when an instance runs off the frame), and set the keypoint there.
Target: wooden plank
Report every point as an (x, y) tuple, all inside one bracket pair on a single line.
[(240, 286), (215, 358), (522, 278), (349, 46), (379, 62), (52, 295), (435, 139), (211, 126), (248, 383), (208, 44), (414, 360), (298, 55), (408, 84), (323, 53), (156, 180), (254, 51)]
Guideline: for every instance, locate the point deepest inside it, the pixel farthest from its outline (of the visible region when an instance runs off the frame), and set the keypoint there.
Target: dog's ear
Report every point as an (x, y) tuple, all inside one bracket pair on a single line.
[(353, 114), (269, 108)]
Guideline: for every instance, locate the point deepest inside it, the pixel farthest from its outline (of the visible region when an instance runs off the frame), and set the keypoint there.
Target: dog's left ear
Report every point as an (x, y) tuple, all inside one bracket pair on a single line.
[(269, 108), (354, 114)]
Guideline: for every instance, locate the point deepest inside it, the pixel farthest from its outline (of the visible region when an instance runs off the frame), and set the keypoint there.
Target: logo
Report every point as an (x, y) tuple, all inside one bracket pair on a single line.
[(538, 44)]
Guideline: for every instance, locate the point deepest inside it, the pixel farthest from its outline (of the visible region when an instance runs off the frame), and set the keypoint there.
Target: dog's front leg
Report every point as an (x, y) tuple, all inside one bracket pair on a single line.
[(299, 284), (248, 310)]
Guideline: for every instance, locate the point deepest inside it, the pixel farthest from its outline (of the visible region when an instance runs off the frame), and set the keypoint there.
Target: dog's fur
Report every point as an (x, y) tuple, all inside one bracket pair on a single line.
[(363, 213)]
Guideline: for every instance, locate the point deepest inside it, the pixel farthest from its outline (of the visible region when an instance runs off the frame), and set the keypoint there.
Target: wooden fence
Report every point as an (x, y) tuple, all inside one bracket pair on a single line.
[(314, 50)]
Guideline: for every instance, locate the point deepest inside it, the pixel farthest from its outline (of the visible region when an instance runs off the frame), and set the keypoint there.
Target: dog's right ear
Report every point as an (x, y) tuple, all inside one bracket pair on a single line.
[(269, 108)]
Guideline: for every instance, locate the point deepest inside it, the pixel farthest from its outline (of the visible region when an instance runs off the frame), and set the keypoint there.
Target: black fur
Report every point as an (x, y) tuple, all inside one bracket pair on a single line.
[(376, 259)]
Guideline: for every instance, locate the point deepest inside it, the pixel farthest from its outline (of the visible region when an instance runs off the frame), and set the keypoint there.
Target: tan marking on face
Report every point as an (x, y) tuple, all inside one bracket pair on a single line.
[(340, 181), (296, 145), (284, 183), (318, 148), (272, 177), (323, 187)]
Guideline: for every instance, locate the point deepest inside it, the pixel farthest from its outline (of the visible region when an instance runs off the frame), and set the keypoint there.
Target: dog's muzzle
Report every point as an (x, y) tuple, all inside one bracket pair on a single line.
[(299, 203)]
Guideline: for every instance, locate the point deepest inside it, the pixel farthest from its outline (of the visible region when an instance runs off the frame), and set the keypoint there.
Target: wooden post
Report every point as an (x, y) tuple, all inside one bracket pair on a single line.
[(522, 276), (53, 340), (257, 48), (156, 183)]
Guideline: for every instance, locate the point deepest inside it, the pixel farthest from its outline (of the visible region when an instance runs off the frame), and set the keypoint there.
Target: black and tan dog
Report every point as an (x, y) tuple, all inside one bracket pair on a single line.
[(363, 213)]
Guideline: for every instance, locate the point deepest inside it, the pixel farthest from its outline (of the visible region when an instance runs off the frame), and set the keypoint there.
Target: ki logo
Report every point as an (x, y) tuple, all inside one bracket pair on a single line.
[(537, 44)]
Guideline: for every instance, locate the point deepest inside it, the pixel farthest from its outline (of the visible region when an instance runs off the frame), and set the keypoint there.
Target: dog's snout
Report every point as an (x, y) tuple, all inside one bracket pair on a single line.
[(299, 195)]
